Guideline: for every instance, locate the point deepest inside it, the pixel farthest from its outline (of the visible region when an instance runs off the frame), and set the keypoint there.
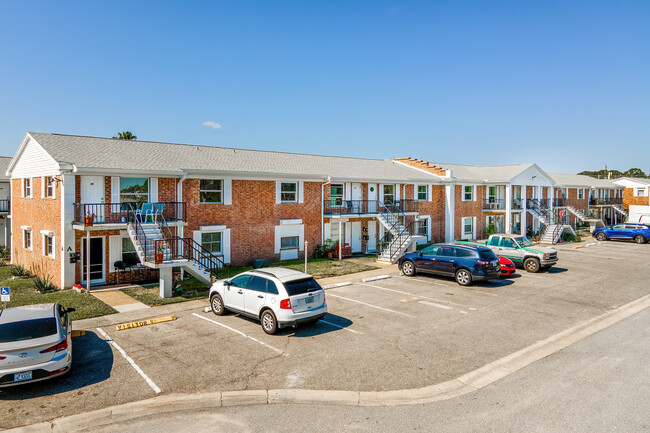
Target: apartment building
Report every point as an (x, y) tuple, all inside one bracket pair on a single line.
[(102, 211)]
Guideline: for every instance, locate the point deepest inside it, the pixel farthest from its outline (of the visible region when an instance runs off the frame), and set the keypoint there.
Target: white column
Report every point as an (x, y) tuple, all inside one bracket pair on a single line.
[(340, 239), (508, 208), (449, 212), (522, 223), (165, 282)]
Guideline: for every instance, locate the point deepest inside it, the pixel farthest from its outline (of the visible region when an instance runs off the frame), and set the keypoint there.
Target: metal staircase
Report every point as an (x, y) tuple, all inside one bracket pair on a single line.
[(618, 208), (578, 213), (156, 247), (553, 233), (398, 237)]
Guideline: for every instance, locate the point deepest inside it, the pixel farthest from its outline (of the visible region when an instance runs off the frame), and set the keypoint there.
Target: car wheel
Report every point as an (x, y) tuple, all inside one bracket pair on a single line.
[(464, 277), (601, 236), (531, 265), (216, 303), (408, 268), (269, 323), (639, 239)]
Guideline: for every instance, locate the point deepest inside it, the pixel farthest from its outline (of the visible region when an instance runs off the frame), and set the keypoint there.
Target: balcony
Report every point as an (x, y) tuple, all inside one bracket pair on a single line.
[(362, 207), (605, 201), (559, 202), (121, 213), (494, 204), (538, 203), (5, 206), (516, 203)]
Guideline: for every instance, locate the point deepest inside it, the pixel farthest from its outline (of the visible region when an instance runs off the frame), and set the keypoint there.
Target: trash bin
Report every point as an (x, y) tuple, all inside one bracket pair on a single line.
[(260, 263)]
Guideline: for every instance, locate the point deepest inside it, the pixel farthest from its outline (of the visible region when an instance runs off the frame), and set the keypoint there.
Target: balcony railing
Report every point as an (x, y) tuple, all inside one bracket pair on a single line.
[(559, 202), (494, 204), (359, 207), (537, 203), (116, 213), (4, 206), (605, 201), (516, 203)]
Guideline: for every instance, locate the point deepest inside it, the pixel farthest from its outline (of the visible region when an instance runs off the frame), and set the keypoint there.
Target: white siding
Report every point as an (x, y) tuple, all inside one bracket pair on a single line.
[(34, 162)]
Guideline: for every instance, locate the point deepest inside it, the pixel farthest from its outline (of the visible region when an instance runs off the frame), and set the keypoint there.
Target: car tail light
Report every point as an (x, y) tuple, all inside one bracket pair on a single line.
[(483, 262), (285, 304), (59, 347), (2, 357)]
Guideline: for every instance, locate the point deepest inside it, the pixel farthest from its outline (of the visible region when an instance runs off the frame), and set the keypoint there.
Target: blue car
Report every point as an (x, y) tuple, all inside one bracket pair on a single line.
[(639, 233), (466, 263)]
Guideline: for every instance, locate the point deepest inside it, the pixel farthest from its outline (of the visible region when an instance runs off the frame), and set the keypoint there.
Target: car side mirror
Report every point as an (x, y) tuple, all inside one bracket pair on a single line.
[(70, 310), (420, 253)]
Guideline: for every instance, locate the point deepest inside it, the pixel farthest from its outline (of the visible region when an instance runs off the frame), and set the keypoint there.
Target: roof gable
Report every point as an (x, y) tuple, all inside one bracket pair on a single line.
[(32, 160)]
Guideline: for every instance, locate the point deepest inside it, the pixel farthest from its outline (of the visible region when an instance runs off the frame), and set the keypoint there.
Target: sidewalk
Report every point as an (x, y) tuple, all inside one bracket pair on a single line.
[(119, 300)]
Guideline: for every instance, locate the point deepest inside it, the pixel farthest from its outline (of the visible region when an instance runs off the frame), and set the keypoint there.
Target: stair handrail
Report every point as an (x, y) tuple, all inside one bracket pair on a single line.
[(204, 258), (140, 235), (401, 239), (556, 232)]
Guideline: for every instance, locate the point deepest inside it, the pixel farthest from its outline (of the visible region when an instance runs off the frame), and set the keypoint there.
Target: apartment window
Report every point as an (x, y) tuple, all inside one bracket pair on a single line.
[(468, 193), (48, 245), (581, 193), (211, 241), (211, 191), (129, 255), (27, 239), (289, 242), (134, 190), (336, 194), (389, 193), (27, 187), (565, 192), (288, 192), (468, 226), (422, 192), (49, 187)]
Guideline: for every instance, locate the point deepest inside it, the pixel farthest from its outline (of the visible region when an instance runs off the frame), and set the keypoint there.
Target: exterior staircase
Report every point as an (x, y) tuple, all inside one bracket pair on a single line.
[(400, 237), (577, 213), (618, 208), (553, 233), (149, 239)]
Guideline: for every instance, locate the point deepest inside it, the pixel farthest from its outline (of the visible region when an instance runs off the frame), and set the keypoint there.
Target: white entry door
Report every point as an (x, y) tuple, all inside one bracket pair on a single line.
[(372, 236), (372, 198), (92, 195), (356, 237)]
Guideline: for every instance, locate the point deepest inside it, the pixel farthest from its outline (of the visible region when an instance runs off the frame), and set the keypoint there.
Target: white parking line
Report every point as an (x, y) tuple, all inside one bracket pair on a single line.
[(130, 361), (435, 283), (448, 286), (242, 334), (433, 304), (339, 326), (410, 294), (369, 305)]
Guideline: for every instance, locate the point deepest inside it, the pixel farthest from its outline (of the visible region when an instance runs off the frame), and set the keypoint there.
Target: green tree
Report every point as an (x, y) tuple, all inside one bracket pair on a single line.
[(634, 172), (125, 135)]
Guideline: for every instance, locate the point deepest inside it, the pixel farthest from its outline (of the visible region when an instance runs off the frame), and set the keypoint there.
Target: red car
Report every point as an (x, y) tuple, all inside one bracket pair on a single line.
[(507, 266)]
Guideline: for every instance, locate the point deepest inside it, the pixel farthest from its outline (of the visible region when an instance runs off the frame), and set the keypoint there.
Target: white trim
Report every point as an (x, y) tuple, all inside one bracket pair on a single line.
[(293, 221), (227, 191), (214, 228), (115, 250), (25, 227), (301, 193), (278, 191), (153, 189), (47, 232), (115, 189)]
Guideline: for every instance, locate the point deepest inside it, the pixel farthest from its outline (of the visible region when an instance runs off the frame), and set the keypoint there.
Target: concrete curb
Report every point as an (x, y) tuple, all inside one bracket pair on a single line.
[(464, 384)]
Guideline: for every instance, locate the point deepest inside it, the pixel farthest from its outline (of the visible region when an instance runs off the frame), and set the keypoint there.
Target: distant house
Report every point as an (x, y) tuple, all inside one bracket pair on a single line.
[(5, 202), (636, 192)]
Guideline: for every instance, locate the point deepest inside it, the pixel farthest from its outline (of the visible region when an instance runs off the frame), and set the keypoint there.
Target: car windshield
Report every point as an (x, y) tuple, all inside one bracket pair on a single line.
[(27, 329), (298, 287), (524, 242)]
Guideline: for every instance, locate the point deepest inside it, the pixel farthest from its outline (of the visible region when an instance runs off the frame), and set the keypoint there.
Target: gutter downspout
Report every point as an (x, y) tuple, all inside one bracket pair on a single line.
[(322, 209)]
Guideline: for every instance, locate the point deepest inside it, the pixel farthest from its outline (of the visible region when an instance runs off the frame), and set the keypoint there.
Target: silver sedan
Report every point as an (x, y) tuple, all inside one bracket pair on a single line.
[(35, 343)]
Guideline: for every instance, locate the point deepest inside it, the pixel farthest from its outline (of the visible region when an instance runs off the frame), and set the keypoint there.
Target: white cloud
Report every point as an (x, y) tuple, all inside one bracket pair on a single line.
[(211, 124)]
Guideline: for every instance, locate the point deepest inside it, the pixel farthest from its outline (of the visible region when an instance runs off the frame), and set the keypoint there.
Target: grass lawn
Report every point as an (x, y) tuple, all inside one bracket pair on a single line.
[(23, 293), (194, 289)]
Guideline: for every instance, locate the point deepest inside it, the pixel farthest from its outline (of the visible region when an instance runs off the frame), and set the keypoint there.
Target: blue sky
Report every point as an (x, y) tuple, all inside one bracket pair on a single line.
[(563, 84)]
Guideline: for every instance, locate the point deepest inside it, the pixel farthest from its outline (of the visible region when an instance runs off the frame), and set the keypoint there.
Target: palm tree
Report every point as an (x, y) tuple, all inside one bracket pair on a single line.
[(125, 135)]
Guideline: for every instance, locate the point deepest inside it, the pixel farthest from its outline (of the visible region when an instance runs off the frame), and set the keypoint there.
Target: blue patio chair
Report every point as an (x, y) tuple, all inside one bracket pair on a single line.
[(145, 210), (158, 210)]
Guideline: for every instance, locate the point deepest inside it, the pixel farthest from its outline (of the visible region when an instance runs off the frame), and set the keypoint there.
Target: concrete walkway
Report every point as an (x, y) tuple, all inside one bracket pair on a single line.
[(119, 300)]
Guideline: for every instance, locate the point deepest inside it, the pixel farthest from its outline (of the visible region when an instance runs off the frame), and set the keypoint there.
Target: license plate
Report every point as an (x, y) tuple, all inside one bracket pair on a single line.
[(26, 375), (309, 300)]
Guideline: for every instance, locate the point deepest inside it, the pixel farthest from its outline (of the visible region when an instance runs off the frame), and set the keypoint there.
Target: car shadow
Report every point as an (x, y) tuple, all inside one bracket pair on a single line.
[(497, 282), (329, 323), (92, 361), (554, 270)]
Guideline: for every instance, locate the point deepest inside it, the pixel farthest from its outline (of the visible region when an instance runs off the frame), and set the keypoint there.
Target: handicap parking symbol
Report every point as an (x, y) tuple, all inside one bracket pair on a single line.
[(4, 294)]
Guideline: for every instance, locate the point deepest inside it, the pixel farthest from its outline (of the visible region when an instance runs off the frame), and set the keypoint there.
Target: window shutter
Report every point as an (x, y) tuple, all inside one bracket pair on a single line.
[(301, 237), (278, 239), (327, 231), (114, 251), (397, 191), (53, 247), (381, 192), (430, 192), (301, 187), (277, 194), (415, 191), (226, 246), (153, 189), (115, 189), (227, 191)]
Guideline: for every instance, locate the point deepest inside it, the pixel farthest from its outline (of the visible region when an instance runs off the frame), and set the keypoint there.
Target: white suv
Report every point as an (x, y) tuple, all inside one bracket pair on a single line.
[(277, 297)]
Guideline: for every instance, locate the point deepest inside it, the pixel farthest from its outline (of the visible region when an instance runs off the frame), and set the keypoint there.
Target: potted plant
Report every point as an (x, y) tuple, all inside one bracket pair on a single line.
[(159, 251), (90, 218)]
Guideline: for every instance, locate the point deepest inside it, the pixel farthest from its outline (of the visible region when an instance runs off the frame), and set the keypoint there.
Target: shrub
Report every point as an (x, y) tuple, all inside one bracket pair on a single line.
[(20, 271), (320, 252), (44, 284), (570, 237)]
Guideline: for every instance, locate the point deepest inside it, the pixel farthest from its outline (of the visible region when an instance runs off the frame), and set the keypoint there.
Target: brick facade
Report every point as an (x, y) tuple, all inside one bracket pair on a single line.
[(465, 209), (629, 199)]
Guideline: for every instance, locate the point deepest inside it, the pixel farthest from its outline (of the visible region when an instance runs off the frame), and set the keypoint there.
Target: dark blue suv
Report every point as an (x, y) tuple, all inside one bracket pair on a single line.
[(640, 233), (466, 263)]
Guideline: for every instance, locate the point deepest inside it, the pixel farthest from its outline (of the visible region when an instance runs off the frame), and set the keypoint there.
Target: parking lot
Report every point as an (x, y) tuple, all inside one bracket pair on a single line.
[(387, 334)]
